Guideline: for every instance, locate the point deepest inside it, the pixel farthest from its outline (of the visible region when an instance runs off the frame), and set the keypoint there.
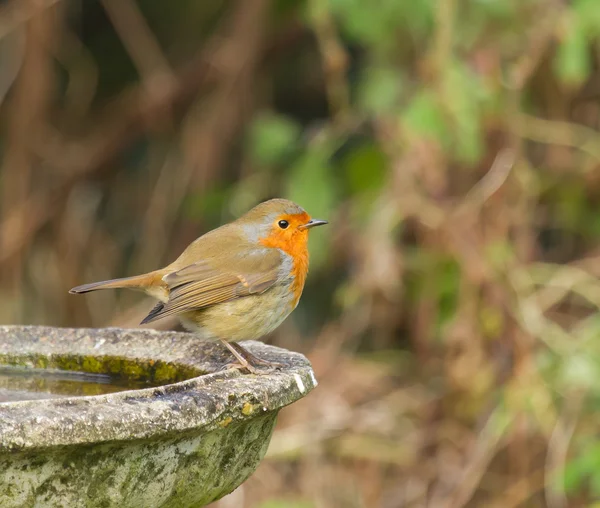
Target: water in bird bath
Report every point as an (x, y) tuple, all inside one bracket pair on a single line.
[(38, 377), (23, 383)]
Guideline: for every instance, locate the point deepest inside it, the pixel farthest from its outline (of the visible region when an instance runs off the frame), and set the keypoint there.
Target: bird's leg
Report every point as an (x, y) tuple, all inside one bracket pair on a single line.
[(242, 363), (247, 361), (254, 360)]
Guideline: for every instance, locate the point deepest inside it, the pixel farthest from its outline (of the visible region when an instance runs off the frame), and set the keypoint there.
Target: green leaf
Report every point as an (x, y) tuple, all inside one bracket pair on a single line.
[(205, 205), (463, 95), (570, 206), (380, 90), (312, 186), (499, 253), (593, 226), (365, 167), (595, 482), (584, 466), (362, 22), (572, 62), (573, 476), (580, 371), (379, 23), (448, 279), (491, 320), (588, 16), (272, 137), (424, 117)]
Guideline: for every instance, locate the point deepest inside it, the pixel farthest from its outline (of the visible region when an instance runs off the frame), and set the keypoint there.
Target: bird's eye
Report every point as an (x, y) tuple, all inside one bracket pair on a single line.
[(283, 224)]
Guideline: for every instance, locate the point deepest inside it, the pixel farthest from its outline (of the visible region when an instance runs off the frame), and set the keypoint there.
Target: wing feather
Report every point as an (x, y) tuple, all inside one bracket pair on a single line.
[(203, 284)]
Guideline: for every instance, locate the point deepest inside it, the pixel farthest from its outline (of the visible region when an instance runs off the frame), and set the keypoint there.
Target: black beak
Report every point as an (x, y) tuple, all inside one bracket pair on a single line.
[(313, 223)]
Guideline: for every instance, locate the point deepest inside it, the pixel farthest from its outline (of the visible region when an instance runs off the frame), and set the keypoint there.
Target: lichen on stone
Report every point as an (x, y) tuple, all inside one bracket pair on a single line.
[(185, 443)]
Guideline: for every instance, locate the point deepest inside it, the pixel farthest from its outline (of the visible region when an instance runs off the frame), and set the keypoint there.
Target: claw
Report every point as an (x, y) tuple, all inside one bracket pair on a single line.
[(232, 366), (253, 369), (247, 361)]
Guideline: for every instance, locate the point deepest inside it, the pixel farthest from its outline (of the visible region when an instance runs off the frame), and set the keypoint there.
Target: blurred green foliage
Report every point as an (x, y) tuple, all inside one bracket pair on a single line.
[(454, 148)]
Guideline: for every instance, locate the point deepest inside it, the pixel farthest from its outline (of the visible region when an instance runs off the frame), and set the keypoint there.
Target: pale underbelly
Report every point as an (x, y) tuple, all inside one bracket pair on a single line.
[(246, 318)]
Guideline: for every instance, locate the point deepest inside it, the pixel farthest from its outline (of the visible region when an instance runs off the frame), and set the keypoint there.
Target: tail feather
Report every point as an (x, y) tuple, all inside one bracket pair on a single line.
[(154, 313), (141, 282)]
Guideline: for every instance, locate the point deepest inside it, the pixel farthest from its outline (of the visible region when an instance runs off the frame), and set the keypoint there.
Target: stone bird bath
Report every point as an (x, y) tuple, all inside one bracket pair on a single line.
[(185, 443)]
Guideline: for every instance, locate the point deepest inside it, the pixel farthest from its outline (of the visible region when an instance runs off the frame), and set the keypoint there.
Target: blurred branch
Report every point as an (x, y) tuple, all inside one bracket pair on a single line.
[(28, 105), (142, 46), (540, 37), (558, 449), (554, 132), (119, 127), (83, 74), (208, 136), (488, 441), (435, 216), (520, 491), (122, 123), (442, 44), (335, 59), (22, 221), (236, 57), (12, 49), (137, 37), (530, 315), (15, 13), (490, 183), (560, 280)]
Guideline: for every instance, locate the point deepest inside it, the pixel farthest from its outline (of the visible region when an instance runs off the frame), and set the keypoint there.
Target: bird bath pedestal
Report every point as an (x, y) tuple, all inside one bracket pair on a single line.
[(179, 433)]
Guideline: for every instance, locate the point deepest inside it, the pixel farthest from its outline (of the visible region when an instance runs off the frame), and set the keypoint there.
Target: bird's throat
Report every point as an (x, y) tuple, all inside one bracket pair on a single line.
[(297, 247)]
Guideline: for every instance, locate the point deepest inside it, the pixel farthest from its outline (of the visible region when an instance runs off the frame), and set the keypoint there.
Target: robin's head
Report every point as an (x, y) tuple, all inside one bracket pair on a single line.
[(279, 223)]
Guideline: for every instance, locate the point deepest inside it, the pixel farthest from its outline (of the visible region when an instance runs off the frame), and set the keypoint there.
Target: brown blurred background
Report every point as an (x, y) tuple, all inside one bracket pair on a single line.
[(452, 309)]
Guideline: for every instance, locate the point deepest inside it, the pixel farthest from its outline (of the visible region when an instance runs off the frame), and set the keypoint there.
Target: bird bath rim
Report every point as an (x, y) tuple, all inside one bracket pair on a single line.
[(208, 401)]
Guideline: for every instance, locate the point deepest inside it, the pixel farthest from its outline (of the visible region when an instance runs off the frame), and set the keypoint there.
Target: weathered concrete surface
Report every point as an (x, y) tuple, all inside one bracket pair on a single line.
[(182, 444)]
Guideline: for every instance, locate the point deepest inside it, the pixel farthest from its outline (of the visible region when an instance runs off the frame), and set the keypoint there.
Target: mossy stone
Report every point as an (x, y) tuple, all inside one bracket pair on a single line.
[(183, 444)]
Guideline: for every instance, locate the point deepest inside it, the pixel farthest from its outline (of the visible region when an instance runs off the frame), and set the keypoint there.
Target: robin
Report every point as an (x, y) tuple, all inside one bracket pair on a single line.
[(239, 281)]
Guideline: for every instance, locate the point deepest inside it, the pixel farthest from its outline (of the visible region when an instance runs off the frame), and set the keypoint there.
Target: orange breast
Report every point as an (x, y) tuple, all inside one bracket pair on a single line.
[(296, 246), (300, 271)]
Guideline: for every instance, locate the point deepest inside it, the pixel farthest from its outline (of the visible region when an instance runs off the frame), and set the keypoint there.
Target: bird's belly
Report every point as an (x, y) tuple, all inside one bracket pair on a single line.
[(246, 318)]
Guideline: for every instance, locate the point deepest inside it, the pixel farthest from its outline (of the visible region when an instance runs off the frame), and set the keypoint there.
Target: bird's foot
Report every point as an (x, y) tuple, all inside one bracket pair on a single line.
[(251, 369), (235, 366), (249, 362), (255, 362)]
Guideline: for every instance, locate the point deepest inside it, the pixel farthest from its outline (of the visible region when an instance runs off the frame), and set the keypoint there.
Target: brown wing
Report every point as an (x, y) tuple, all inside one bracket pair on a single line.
[(203, 284)]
